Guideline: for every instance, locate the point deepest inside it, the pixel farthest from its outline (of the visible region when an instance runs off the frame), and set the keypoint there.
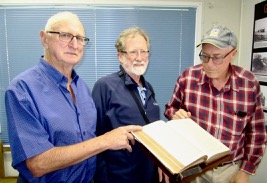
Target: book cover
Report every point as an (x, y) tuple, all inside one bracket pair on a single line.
[(181, 145)]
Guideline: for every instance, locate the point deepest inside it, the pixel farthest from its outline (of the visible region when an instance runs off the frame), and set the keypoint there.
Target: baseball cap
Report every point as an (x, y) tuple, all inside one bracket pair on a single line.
[(220, 36)]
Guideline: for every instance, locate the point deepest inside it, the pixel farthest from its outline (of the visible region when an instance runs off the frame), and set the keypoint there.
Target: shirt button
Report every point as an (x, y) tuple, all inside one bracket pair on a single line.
[(84, 133)]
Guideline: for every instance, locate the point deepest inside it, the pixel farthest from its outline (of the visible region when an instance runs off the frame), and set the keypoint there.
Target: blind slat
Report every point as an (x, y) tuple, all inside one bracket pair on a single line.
[(171, 30)]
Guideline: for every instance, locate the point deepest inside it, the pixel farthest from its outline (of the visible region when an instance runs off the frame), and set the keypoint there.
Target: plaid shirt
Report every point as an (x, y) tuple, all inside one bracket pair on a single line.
[(233, 115)]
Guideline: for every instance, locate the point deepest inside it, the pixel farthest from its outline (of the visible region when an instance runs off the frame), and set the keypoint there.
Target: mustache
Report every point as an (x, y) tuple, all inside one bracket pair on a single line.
[(138, 62)]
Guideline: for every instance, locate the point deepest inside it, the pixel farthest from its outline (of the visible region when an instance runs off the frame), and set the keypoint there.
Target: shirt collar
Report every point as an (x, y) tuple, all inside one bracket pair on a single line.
[(55, 75), (230, 84)]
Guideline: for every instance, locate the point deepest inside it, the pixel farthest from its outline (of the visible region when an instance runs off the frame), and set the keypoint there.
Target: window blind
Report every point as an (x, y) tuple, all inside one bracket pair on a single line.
[(171, 30)]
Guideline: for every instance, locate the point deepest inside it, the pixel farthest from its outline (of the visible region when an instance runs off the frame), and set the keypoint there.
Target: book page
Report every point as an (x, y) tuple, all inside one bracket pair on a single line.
[(198, 136), (180, 148)]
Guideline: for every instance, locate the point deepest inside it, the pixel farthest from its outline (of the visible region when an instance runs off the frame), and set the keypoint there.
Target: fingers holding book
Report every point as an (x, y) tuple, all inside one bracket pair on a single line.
[(181, 114)]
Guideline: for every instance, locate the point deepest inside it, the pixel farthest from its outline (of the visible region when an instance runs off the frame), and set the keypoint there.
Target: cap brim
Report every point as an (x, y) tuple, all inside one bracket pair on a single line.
[(206, 42)]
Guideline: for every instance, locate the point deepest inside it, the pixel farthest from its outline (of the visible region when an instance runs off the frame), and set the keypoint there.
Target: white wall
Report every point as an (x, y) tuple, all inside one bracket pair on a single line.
[(238, 15), (9, 170), (226, 12), (245, 49)]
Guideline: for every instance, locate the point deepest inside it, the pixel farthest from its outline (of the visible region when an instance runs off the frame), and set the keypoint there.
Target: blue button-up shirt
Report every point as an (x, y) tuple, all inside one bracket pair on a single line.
[(41, 115)]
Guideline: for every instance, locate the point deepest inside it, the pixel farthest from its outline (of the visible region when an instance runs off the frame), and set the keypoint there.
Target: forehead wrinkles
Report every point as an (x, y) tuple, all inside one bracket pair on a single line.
[(215, 52), (67, 26), (212, 50)]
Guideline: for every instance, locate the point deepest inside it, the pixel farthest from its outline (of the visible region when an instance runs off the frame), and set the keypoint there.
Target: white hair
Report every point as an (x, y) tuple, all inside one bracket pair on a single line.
[(54, 20)]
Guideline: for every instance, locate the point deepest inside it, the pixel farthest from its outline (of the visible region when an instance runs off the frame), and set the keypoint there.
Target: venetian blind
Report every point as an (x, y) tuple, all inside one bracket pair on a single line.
[(171, 30)]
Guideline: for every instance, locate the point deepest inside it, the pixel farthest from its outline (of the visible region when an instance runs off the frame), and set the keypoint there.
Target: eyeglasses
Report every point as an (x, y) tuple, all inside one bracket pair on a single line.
[(217, 60), (67, 37), (135, 53)]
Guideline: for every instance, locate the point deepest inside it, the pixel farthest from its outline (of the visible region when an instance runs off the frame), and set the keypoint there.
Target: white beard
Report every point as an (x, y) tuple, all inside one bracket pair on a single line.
[(135, 68)]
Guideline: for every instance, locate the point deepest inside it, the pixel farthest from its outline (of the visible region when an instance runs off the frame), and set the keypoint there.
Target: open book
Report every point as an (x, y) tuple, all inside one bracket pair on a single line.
[(181, 144)]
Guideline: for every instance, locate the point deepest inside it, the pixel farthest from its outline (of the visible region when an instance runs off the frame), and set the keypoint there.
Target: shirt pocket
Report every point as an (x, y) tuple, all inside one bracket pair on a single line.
[(234, 125)]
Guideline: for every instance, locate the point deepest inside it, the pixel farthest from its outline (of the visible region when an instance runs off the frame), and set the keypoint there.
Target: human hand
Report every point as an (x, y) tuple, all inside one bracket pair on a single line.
[(119, 138), (181, 114), (161, 174), (240, 177)]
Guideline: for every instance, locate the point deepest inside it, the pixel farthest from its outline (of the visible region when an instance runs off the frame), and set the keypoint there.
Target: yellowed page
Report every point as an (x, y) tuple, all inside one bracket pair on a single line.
[(198, 136), (171, 163), (172, 142)]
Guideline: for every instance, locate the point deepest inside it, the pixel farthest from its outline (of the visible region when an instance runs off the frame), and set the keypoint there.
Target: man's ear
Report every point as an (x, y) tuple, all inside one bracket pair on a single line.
[(43, 36), (235, 52), (233, 55), (119, 55)]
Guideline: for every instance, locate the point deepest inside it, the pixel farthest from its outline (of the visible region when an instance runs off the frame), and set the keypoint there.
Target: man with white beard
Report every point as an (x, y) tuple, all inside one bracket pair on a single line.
[(124, 98)]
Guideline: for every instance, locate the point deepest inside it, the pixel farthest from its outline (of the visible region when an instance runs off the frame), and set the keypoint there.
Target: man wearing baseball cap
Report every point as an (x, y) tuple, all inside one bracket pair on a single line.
[(224, 99)]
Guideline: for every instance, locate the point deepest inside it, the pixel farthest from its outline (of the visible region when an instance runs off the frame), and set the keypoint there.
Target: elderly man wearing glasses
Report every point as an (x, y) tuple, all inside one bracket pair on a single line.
[(224, 99), (51, 114), (126, 98)]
